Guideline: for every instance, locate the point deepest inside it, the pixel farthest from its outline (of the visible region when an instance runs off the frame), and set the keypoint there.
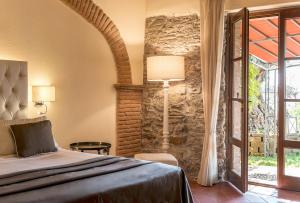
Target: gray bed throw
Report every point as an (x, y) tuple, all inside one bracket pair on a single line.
[(110, 179)]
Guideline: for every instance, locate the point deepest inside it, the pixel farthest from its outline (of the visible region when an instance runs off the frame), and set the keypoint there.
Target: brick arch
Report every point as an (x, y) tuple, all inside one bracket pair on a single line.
[(129, 96), (95, 15)]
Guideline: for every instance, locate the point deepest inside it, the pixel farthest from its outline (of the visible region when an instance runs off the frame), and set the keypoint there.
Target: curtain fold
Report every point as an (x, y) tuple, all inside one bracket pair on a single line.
[(211, 36)]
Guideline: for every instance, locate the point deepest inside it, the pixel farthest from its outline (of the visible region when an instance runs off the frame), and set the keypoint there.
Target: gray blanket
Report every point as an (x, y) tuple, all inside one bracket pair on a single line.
[(111, 179)]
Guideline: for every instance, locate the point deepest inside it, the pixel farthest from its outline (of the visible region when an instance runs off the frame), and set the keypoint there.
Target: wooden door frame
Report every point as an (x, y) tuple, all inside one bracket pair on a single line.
[(284, 182), (239, 181), (281, 181)]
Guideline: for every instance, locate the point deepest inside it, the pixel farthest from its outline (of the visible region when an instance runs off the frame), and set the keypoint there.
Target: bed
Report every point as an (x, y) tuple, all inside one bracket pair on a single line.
[(69, 176)]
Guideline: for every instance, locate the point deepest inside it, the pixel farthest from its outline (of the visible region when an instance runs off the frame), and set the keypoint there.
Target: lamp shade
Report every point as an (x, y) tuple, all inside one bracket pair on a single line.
[(160, 68), (43, 93)]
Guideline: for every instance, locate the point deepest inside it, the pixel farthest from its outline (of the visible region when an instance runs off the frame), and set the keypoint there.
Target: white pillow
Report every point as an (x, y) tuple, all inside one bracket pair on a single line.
[(7, 144)]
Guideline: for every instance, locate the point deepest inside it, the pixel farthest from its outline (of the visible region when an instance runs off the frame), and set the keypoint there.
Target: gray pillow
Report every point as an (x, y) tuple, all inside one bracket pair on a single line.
[(7, 145), (33, 138)]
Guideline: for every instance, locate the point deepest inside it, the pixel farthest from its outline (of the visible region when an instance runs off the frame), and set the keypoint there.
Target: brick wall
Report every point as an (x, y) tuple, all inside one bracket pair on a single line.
[(129, 105)]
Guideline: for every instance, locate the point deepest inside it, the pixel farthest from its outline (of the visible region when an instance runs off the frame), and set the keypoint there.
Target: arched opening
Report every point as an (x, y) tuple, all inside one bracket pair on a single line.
[(129, 96)]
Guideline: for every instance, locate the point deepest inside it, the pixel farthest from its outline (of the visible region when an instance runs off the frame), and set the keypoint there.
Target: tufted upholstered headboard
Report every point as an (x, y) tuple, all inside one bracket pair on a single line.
[(13, 89)]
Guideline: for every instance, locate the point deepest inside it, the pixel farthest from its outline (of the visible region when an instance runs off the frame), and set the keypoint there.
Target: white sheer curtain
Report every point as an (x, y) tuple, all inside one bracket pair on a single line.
[(211, 36)]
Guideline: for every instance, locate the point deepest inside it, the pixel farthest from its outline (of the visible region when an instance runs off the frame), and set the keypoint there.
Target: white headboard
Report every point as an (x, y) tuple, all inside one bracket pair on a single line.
[(13, 89)]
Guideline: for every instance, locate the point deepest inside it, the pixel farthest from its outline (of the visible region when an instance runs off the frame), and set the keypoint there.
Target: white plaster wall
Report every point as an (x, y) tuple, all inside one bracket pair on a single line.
[(185, 7), (64, 50), (172, 7), (129, 17)]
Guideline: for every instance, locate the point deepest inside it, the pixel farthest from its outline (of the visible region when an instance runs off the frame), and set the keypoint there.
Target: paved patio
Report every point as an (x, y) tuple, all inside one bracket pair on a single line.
[(268, 174), (263, 174)]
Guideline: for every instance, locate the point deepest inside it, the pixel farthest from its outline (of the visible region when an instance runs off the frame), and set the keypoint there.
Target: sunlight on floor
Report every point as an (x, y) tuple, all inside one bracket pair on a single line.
[(272, 195)]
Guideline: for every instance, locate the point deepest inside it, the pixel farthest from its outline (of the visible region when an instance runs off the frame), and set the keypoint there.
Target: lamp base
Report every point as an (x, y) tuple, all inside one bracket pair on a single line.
[(165, 144)]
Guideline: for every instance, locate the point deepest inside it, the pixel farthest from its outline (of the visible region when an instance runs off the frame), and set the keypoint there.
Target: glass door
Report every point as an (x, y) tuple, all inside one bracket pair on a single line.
[(237, 102), (289, 101)]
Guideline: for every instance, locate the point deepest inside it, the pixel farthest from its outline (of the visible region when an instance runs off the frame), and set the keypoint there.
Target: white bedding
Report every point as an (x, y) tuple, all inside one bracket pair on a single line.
[(11, 164)]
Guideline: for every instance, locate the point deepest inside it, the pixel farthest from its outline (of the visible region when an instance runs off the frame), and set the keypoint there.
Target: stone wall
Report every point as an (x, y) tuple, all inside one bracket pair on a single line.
[(175, 36), (179, 36), (222, 127)]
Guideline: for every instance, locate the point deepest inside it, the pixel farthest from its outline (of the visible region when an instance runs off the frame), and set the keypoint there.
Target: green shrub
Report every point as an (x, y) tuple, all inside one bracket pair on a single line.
[(292, 160), (254, 87)]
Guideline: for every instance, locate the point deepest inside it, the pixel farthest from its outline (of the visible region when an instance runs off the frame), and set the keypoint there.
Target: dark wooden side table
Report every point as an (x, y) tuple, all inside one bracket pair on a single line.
[(101, 147)]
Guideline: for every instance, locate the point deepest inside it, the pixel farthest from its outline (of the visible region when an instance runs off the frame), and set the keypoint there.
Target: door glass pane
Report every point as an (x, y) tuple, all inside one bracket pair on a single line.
[(237, 80), (292, 162), (292, 81), (236, 160), (237, 41), (292, 120), (292, 37), (263, 39), (236, 119)]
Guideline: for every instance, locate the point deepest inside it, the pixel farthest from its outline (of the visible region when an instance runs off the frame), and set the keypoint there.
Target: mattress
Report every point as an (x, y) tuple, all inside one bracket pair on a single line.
[(12, 164)]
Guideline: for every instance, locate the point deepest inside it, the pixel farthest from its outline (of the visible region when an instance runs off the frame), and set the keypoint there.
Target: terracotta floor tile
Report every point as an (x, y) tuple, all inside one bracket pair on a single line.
[(226, 193), (220, 193)]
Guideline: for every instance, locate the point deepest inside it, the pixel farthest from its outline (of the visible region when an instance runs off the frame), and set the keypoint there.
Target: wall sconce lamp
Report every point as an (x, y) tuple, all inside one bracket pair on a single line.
[(165, 68), (42, 94)]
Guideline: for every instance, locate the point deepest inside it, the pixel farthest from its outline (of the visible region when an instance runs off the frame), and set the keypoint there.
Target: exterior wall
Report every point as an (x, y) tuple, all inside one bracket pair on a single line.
[(256, 144)]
